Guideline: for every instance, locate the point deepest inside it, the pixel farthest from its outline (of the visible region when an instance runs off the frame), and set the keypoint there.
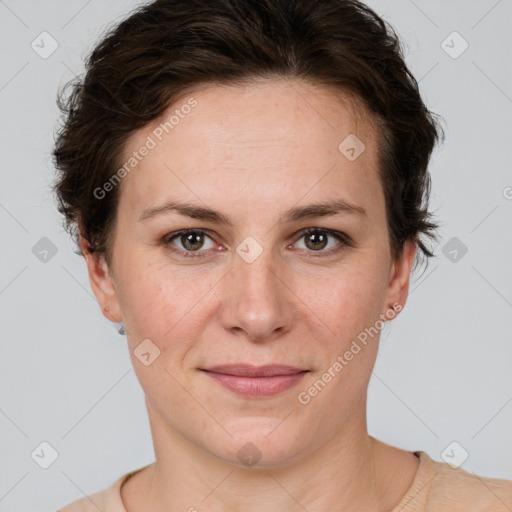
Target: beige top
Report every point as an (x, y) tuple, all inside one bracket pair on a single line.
[(437, 487)]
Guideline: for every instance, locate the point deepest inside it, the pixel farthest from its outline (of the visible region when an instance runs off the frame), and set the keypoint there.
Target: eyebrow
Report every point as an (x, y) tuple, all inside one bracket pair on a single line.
[(329, 208)]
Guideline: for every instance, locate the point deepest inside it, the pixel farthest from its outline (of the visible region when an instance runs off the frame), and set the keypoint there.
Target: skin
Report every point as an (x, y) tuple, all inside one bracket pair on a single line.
[(252, 152)]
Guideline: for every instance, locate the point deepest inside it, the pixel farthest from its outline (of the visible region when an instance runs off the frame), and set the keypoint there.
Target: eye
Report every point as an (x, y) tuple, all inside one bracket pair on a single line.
[(190, 239), (315, 241)]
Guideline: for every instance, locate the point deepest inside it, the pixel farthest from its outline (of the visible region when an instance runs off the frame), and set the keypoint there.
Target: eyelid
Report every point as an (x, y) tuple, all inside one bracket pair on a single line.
[(344, 239)]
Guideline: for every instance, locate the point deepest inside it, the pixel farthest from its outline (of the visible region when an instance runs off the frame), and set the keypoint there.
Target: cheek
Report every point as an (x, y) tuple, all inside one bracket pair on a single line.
[(348, 306), (165, 304), (350, 309), (344, 303)]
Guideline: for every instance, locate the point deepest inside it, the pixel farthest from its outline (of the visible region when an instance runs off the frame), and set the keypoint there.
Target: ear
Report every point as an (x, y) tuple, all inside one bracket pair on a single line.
[(102, 283), (398, 287)]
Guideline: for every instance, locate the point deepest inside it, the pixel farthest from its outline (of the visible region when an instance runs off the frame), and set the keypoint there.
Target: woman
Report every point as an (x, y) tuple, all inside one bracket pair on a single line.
[(247, 181)]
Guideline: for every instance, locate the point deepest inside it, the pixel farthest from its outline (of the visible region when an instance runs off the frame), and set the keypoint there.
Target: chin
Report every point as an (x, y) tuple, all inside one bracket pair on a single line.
[(262, 442)]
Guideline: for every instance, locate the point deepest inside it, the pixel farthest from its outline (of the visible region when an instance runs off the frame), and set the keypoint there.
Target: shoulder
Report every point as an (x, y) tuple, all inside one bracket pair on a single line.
[(455, 489), (107, 500), (91, 503), (98, 501)]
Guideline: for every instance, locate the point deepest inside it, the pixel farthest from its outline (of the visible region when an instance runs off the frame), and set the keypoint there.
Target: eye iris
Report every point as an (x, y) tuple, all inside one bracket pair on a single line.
[(185, 239), (316, 238)]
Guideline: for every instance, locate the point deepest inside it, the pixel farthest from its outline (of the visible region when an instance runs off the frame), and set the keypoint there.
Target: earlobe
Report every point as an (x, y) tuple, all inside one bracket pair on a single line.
[(102, 283)]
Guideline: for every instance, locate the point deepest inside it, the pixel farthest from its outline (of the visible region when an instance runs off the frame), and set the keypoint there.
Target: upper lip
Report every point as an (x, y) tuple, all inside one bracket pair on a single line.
[(248, 370)]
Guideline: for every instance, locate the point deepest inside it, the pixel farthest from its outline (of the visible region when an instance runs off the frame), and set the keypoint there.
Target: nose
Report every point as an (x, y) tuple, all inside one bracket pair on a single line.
[(257, 299)]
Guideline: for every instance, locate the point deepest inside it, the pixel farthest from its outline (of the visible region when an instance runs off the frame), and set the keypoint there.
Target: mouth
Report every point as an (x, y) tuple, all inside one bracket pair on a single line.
[(255, 381), (248, 370)]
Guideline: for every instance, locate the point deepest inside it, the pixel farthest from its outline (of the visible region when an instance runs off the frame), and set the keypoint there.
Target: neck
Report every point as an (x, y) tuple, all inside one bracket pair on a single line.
[(349, 472)]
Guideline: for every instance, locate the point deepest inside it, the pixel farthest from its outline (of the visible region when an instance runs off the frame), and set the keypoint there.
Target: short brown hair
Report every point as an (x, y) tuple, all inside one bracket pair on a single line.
[(164, 48)]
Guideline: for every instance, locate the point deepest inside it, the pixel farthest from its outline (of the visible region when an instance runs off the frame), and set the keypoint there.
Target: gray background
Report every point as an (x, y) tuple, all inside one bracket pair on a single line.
[(443, 372)]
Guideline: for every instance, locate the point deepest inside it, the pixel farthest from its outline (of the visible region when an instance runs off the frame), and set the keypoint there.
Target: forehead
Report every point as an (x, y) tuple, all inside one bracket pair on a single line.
[(269, 137)]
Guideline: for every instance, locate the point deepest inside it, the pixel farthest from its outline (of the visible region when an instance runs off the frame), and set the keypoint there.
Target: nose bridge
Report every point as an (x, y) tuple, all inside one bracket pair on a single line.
[(257, 302), (258, 276)]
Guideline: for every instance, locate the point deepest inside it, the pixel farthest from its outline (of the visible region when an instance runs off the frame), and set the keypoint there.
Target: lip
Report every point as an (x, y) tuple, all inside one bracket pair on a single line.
[(256, 381), (249, 370)]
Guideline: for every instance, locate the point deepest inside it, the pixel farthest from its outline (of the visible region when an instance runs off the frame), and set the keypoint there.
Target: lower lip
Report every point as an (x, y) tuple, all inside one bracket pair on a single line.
[(257, 386)]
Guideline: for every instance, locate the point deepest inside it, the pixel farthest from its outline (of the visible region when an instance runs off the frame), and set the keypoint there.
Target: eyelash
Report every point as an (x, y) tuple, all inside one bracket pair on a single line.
[(345, 240)]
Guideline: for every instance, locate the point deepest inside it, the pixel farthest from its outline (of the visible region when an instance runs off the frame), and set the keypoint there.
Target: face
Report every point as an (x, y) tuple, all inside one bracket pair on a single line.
[(262, 281)]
